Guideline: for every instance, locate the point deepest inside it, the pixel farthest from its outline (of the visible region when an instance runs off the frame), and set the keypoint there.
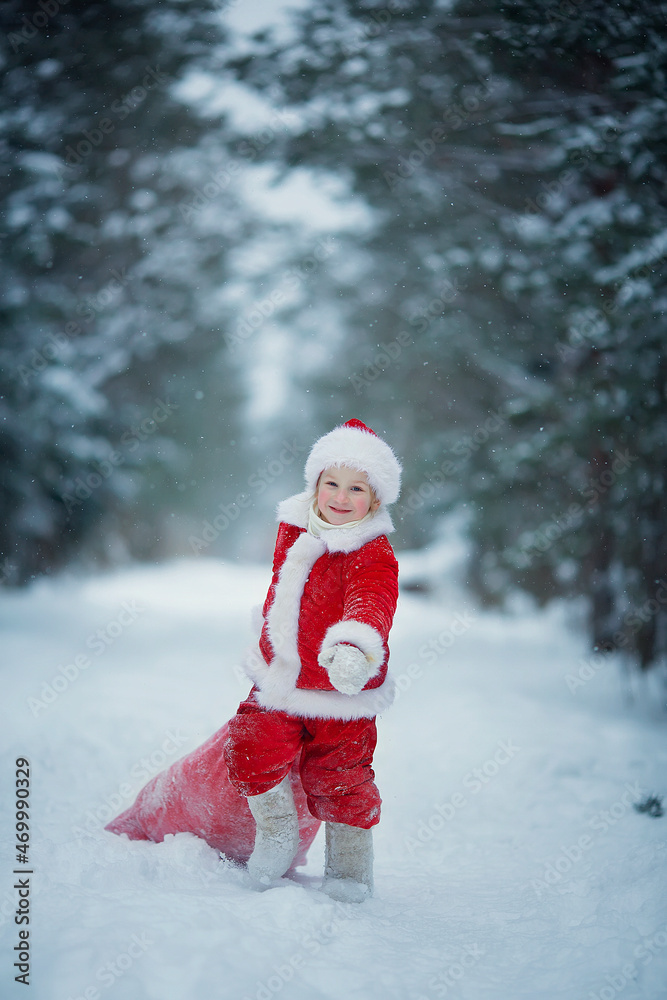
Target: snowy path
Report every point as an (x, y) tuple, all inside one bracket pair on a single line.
[(510, 862)]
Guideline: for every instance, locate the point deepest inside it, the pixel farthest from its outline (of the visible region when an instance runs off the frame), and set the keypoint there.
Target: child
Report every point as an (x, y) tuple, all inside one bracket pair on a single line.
[(321, 676)]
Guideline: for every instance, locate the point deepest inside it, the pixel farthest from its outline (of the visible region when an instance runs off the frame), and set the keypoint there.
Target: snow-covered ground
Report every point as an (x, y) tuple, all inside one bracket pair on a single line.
[(510, 861)]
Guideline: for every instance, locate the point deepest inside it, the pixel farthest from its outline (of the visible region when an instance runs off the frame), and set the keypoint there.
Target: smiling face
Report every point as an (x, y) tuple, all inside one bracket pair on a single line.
[(344, 494)]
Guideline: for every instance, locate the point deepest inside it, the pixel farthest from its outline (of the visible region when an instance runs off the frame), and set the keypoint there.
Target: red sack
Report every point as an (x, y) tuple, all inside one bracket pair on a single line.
[(195, 795)]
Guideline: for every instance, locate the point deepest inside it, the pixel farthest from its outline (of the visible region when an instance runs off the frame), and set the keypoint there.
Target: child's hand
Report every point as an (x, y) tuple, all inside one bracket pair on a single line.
[(347, 666)]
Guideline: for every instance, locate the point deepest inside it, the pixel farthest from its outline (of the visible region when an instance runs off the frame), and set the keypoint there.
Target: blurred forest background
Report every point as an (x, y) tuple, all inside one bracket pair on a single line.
[(228, 226)]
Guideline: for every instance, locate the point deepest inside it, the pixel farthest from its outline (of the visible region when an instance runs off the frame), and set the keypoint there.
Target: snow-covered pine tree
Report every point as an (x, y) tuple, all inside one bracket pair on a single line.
[(107, 274), (578, 505), (515, 159)]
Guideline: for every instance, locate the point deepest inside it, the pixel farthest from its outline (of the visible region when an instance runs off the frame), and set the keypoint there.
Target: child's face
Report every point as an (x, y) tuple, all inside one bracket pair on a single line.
[(344, 494)]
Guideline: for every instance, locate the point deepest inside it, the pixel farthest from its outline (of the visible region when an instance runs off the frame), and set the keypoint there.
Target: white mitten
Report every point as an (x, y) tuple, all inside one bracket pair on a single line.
[(347, 666)]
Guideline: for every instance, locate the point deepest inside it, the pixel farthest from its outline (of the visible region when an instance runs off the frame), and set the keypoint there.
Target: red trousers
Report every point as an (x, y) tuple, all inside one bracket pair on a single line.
[(335, 760)]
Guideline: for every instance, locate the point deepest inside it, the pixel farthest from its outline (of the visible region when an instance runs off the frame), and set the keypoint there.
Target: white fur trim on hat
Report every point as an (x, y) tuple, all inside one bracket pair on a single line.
[(358, 447)]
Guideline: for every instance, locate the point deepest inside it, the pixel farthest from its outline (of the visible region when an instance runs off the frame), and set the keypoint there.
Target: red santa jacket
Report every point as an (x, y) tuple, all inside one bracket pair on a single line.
[(341, 587)]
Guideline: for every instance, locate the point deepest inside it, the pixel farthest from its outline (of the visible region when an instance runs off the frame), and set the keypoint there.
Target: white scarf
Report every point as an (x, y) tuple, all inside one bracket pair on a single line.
[(316, 524)]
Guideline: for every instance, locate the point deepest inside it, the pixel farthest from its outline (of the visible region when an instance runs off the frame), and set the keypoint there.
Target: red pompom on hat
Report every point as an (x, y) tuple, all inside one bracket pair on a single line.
[(357, 446), (353, 422)]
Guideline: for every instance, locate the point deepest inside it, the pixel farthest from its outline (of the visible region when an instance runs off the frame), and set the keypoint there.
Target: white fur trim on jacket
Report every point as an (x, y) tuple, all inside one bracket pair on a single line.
[(295, 510), (282, 620), (276, 692), (256, 619), (277, 681)]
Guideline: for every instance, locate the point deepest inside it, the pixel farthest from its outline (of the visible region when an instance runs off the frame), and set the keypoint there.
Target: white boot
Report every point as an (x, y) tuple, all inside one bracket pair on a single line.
[(277, 835), (348, 866)]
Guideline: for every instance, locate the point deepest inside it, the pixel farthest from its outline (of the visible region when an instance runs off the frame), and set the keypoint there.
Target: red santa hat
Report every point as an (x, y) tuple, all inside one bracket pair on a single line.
[(355, 445)]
